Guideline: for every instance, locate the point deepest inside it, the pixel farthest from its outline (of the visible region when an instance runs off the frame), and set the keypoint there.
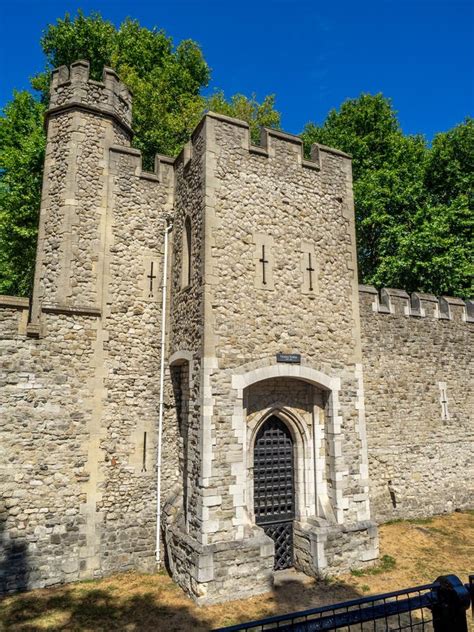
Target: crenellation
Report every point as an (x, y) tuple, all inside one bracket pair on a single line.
[(395, 301), (418, 406), (452, 308), (163, 165), (418, 304), (278, 145), (469, 316), (71, 88)]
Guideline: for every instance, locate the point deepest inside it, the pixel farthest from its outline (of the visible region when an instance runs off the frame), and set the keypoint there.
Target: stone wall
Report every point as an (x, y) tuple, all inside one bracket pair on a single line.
[(45, 405), (415, 351), (186, 311)]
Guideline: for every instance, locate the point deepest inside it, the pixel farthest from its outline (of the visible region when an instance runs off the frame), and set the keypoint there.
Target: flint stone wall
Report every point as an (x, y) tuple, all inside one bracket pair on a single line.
[(269, 193), (419, 463)]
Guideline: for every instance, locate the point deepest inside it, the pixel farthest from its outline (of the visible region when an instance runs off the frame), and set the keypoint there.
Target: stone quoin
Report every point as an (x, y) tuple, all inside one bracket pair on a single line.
[(298, 409)]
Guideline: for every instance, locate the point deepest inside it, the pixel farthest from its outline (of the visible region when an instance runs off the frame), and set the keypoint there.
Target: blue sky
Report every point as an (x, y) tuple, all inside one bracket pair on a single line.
[(312, 55)]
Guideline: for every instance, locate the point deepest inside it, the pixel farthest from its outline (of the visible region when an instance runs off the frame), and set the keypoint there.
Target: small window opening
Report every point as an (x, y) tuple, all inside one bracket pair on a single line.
[(187, 244), (444, 401), (144, 453)]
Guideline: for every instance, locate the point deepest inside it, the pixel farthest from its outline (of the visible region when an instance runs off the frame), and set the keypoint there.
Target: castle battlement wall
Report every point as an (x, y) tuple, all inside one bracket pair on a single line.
[(418, 304), (163, 166), (264, 315), (417, 364), (71, 88), (274, 144)]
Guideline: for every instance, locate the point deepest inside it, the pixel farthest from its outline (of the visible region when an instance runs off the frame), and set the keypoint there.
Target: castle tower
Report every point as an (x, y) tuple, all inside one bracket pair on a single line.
[(264, 347), (82, 421), (84, 120)]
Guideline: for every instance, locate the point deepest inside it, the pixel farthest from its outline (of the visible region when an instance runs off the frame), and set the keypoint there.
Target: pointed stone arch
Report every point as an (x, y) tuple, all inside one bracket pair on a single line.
[(302, 443), (330, 508)]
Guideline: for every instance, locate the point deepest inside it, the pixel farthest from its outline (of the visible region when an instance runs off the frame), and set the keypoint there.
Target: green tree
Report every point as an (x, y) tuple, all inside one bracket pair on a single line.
[(388, 170), (412, 203), (450, 167), (166, 81), (22, 144), (167, 84), (247, 109)]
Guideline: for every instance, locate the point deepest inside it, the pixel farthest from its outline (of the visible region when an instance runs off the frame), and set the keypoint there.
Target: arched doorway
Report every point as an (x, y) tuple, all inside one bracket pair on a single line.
[(274, 487)]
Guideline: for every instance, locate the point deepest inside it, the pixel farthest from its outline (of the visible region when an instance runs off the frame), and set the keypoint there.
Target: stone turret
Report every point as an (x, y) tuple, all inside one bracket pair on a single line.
[(84, 120), (73, 88)]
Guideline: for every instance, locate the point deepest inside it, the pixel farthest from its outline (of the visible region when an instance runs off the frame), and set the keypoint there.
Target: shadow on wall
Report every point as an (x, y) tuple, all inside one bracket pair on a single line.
[(14, 568)]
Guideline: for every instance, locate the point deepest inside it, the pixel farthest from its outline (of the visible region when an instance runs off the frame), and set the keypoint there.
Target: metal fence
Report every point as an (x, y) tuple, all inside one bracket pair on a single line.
[(437, 607)]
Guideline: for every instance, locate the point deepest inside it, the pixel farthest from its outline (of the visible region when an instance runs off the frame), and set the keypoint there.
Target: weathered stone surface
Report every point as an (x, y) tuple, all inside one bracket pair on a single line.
[(420, 453)]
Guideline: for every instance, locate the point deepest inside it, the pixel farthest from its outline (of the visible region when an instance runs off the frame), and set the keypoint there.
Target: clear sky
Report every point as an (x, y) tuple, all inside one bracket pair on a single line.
[(311, 54)]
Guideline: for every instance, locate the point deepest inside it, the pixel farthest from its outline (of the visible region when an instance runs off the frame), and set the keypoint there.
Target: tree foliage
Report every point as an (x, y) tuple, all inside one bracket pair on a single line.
[(256, 114), (414, 224), (22, 144), (167, 83)]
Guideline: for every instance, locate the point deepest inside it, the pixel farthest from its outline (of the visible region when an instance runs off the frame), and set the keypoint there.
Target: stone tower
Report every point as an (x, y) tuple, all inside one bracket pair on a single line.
[(81, 440), (264, 333)]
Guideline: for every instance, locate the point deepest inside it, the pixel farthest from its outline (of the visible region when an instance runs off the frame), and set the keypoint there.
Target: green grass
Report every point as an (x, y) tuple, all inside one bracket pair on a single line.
[(420, 521), (387, 563)]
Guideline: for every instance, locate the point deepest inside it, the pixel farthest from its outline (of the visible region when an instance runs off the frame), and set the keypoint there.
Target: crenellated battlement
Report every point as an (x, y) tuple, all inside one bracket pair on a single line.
[(276, 143), (72, 88), (418, 304), (163, 166)]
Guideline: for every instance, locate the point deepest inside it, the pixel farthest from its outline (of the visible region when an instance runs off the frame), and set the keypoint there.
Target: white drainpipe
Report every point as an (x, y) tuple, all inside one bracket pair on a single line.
[(168, 229)]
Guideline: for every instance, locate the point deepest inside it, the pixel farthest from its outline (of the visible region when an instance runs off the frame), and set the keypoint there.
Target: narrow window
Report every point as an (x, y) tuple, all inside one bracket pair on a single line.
[(310, 271), (186, 264), (264, 262), (144, 453), (443, 398)]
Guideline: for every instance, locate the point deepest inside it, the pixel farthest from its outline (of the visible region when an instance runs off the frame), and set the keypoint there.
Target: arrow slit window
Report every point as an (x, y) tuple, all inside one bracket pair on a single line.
[(186, 253)]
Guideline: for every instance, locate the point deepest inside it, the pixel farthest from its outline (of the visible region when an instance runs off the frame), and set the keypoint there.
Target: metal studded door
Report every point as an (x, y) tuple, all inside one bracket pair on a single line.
[(274, 489)]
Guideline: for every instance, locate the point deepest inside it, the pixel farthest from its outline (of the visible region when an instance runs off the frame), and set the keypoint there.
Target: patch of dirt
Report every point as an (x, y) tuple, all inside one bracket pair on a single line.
[(416, 552)]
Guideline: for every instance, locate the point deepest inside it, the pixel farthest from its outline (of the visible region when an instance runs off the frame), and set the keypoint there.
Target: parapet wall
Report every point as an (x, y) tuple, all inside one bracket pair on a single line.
[(419, 304), (419, 402), (72, 87), (274, 144)]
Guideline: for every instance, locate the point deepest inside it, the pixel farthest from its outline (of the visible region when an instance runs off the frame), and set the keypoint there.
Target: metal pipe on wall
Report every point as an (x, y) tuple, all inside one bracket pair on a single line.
[(168, 229)]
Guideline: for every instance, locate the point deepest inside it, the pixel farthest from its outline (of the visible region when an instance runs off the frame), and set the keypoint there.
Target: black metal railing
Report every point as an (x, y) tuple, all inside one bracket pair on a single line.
[(438, 607)]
